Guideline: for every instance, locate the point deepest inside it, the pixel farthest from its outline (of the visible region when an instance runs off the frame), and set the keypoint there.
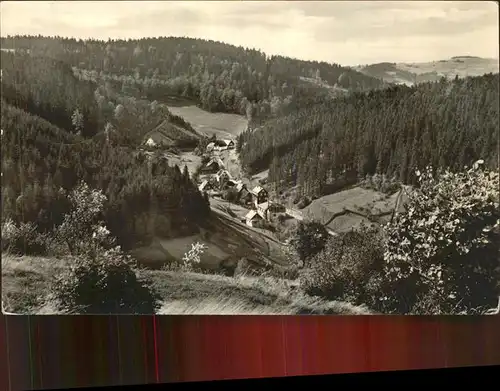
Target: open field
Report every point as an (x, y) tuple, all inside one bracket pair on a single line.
[(355, 199), (222, 125), (348, 209), (409, 73), (26, 284)]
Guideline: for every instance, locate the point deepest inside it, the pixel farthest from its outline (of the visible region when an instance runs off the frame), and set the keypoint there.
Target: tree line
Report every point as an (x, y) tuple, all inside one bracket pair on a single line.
[(394, 132)]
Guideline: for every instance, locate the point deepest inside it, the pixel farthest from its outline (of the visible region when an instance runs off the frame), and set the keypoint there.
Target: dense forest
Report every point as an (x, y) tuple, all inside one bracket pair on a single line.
[(58, 130), (51, 90), (220, 77), (393, 131)]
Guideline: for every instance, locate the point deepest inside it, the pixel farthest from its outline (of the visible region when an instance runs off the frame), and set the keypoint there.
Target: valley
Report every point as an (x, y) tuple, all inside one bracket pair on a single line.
[(227, 181)]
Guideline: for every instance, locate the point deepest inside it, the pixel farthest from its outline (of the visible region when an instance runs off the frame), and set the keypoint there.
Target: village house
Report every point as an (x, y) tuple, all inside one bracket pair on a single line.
[(244, 196), (223, 145), (259, 194), (157, 137), (263, 210), (205, 186), (252, 217), (213, 166), (229, 144)]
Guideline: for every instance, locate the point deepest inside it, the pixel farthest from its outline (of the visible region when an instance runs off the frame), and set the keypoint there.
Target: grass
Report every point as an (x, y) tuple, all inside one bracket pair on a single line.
[(355, 199), (26, 282), (223, 125)]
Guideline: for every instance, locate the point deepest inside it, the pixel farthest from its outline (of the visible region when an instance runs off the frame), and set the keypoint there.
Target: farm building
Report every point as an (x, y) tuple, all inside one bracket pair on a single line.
[(213, 166), (157, 137), (259, 194), (252, 217)]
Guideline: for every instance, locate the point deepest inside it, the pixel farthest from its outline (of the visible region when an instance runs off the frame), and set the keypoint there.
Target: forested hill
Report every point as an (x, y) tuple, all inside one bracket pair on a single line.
[(52, 90), (219, 76), (53, 127), (41, 162), (393, 131)]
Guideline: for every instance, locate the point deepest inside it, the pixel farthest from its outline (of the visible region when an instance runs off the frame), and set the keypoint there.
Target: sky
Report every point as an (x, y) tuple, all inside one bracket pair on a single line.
[(343, 32)]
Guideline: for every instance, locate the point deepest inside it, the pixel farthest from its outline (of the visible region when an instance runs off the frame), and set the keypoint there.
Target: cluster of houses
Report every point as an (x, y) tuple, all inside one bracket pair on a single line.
[(217, 178)]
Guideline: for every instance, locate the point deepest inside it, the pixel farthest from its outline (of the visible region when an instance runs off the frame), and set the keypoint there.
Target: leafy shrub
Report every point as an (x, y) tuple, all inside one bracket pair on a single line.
[(23, 239), (310, 238), (347, 269), (442, 252), (83, 220), (104, 283), (101, 279), (192, 258)]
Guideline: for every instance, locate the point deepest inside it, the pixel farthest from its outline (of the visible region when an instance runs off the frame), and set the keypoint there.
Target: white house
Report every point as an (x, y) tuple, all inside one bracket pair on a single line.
[(229, 144), (263, 209), (252, 217), (150, 142)]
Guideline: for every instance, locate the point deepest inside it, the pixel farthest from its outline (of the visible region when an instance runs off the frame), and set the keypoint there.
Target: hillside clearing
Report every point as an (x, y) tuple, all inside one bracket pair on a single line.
[(356, 199), (25, 289), (222, 125)]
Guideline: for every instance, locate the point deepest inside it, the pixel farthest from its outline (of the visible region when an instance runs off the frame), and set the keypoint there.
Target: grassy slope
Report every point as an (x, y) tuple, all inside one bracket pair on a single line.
[(223, 125), (25, 286)]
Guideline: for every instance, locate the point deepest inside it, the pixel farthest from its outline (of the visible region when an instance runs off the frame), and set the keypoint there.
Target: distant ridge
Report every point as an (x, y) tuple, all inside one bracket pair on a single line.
[(414, 73)]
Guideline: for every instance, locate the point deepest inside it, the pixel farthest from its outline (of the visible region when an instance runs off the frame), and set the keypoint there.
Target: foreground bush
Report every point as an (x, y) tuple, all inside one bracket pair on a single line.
[(102, 279), (104, 283), (442, 253), (84, 220), (23, 239), (347, 269), (310, 239)]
